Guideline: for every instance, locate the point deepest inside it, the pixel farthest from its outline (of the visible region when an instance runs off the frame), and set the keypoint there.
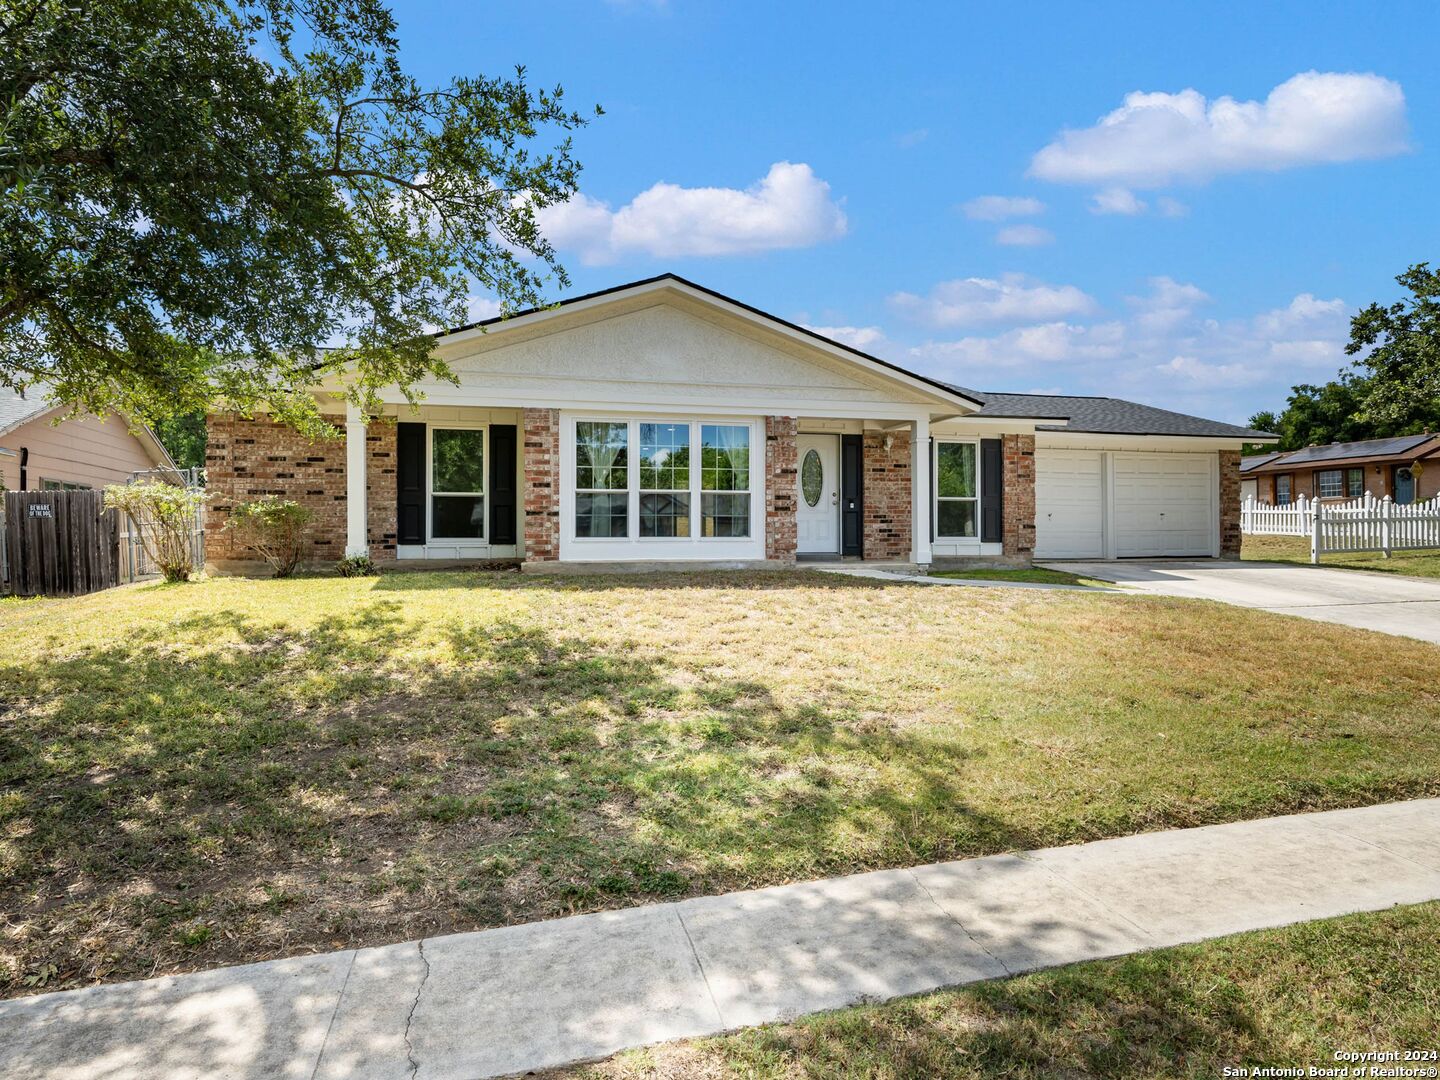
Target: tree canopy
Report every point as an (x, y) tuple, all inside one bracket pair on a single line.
[(1395, 387), (1400, 348), (199, 196)]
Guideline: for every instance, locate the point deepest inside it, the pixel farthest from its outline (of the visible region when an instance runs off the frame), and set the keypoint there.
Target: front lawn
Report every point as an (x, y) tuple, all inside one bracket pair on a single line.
[(1288, 998), (1296, 549), (236, 769)]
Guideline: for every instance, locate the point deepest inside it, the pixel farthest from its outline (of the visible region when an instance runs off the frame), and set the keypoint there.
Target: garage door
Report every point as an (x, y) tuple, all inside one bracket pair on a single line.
[(1163, 504), (1069, 504)]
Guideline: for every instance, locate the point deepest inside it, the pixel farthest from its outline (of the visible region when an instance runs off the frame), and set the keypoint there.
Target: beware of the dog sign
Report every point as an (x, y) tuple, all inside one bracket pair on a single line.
[(42, 510)]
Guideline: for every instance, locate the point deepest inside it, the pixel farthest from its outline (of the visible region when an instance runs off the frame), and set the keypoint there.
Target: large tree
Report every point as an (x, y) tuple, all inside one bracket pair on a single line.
[(200, 196), (1399, 347)]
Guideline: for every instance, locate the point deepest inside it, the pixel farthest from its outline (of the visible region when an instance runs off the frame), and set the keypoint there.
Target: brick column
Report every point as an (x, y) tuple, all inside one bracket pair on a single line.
[(380, 501), (1018, 461), (541, 449), (780, 480), (887, 495), (1230, 504)]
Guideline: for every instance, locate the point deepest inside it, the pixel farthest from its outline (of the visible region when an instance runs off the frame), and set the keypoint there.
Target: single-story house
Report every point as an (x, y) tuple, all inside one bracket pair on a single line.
[(1406, 468), (37, 454), (660, 423)]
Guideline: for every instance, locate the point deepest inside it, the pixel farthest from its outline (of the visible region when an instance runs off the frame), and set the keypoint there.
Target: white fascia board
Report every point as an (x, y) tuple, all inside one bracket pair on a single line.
[(1059, 440)]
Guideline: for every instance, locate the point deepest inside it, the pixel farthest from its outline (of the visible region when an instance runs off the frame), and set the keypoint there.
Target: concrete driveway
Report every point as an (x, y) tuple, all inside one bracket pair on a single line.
[(1406, 606)]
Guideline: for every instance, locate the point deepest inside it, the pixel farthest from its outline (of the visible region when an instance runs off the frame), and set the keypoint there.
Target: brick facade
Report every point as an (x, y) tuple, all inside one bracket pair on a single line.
[(887, 495), (780, 488), (245, 459), (540, 449), (1229, 504), (1017, 454)]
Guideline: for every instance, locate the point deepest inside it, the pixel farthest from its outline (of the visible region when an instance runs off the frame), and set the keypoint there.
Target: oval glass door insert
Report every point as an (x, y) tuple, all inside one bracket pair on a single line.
[(812, 478)]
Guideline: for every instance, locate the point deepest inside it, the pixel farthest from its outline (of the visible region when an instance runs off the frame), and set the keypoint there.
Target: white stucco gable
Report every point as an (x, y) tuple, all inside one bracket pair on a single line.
[(665, 344)]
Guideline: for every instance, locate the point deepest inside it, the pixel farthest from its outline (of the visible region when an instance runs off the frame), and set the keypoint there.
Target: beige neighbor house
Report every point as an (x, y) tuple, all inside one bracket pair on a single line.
[(660, 424), (39, 454)]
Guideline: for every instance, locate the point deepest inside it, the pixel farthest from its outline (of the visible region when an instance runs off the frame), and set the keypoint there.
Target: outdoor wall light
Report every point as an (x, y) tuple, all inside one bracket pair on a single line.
[(889, 441)]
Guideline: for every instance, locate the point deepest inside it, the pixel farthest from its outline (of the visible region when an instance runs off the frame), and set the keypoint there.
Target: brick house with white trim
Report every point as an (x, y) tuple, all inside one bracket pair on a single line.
[(662, 424)]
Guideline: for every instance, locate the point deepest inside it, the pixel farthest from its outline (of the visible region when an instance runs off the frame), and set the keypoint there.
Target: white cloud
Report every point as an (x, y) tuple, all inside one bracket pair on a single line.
[(1117, 200), (1013, 298), (1155, 139), (1164, 350), (479, 308), (790, 207), (864, 338), (1024, 236), (1000, 207), (909, 139), (1169, 207)]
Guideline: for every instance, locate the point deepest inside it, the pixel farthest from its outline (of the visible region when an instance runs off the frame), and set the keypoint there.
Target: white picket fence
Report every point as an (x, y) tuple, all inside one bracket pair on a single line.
[(1363, 524)]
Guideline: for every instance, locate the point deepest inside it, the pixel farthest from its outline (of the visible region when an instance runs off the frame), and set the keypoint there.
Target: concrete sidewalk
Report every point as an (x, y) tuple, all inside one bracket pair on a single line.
[(504, 1001)]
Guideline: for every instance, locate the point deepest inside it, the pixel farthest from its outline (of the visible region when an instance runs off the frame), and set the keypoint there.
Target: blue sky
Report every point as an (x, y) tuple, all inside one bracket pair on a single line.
[(1201, 250)]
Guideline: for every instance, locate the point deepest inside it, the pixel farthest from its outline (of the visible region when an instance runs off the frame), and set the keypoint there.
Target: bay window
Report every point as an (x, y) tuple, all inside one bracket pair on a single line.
[(602, 499), (457, 483), (956, 490), (668, 483)]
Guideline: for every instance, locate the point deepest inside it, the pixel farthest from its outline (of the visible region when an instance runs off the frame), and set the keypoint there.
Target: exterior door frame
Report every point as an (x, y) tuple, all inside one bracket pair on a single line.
[(832, 461)]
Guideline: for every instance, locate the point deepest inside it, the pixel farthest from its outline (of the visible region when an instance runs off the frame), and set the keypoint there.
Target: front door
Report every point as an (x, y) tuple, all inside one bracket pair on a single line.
[(1404, 485), (817, 511)]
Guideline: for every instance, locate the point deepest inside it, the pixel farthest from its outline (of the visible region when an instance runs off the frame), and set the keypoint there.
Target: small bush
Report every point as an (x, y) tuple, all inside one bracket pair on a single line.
[(357, 566), (166, 515), (273, 528)]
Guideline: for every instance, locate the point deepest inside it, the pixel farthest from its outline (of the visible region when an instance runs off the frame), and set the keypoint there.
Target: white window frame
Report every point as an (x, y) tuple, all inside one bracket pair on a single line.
[(1289, 498), (632, 480), (692, 503), (936, 498), (575, 548), (1321, 474), (430, 492), (46, 484)]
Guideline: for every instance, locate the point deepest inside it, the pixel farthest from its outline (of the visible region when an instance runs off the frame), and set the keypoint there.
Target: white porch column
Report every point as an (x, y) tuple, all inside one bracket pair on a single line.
[(920, 492), (357, 540)]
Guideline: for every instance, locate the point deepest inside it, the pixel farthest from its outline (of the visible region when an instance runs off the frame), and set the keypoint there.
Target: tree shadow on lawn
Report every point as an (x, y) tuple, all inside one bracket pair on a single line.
[(219, 789)]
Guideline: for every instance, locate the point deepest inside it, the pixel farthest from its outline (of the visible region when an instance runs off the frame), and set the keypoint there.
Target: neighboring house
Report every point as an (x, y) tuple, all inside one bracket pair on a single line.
[(660, 423), (37, 454), (1406, 468)]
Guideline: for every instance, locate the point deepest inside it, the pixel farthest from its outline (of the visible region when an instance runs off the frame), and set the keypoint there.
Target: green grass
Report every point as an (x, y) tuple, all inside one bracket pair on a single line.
[(1296, 549), (1284, 998), (1036, 574), (237, 769)]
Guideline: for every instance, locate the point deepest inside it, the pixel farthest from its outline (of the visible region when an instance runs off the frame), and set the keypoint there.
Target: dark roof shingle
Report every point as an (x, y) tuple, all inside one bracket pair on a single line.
[(1105, 416)]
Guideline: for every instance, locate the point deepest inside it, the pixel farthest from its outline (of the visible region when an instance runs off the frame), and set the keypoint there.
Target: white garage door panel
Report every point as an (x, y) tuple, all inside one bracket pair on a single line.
[(1163, 504), (1069, 504)]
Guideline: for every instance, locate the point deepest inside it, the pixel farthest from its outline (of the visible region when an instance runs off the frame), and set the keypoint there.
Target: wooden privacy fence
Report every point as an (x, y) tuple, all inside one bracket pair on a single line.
[(1363, 524), (59, 543)]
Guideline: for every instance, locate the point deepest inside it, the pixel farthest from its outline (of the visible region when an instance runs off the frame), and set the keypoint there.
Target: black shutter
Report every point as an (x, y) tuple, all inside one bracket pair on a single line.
[(502, 483), (992, 485), (852, 494), (410, 484)]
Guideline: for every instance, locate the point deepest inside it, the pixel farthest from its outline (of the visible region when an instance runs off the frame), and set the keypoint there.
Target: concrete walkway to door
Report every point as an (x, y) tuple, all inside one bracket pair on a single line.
[(1390, 603), (504, 1001)]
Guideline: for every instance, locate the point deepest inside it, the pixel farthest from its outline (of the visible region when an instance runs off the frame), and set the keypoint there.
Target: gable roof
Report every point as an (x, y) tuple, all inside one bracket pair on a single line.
[(16, 410), (1400, 446), (1106, 416), (944, 390)]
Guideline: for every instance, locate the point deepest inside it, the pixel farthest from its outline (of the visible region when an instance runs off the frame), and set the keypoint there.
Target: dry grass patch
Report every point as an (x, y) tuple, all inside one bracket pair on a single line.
[(235, 769)]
